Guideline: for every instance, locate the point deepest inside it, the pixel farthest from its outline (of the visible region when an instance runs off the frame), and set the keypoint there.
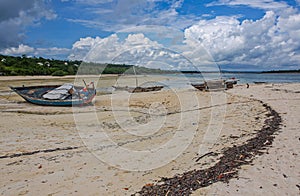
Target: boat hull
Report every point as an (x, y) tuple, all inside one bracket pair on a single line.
[(33, 94), (139, 89), (215, 85)]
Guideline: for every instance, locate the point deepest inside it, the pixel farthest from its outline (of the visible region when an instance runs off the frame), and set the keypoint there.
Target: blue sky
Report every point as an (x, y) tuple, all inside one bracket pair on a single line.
[(235, 34)]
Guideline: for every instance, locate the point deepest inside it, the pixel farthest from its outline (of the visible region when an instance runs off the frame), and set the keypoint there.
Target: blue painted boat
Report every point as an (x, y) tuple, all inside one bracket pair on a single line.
[(78, 96)]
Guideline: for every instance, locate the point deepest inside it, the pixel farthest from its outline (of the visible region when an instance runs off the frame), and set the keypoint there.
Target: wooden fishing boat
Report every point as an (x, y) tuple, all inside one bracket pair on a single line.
[(139, 89), (57, 95), (215, 85), (231, 81), (200, 86)]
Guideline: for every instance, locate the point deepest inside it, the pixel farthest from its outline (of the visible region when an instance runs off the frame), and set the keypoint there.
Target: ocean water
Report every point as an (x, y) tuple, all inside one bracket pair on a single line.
[(244, 77), (184, 80), (265, 77)]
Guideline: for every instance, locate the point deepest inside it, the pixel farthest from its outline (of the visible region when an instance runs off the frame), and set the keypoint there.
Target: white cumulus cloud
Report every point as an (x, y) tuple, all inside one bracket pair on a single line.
[(83, 46), (135, 49), (114, 15), (30, 51), (106, 49), (21, 49)]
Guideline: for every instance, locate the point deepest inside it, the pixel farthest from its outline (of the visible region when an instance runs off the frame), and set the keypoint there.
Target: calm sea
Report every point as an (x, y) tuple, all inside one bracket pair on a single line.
[(246, 77), (184, 80), (265, 77)]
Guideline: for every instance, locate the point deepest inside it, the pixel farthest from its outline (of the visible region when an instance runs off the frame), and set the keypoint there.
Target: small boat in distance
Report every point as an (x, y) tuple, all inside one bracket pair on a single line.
[(57, 95), (231, 81), (137, 88), (215, 85)]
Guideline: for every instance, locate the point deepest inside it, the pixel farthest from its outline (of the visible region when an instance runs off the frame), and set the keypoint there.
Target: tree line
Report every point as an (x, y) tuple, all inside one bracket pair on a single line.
[(23, 65)]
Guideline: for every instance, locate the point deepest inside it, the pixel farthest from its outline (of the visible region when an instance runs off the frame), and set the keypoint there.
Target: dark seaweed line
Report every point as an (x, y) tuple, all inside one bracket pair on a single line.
[(225, 169), (38, 151)]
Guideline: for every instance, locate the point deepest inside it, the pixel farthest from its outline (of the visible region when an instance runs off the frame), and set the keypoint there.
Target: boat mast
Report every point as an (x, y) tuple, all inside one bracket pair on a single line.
[(136, 80), (221, 74)]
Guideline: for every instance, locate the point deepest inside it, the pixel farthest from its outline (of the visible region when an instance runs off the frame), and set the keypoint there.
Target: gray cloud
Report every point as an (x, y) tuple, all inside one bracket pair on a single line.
[(16, 15), (10, 9)]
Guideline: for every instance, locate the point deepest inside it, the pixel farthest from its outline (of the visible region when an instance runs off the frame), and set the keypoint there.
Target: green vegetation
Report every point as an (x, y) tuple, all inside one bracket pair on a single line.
[(59, 73), (96, 68), (10, 65)]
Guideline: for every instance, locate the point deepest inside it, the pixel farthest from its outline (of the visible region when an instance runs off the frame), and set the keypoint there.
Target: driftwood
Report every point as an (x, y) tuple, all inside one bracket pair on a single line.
[(209, 153), (38, 151)]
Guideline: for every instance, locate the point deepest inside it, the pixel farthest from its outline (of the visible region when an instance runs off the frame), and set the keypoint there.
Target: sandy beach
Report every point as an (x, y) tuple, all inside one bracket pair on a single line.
[(277, 171), (124, 142)]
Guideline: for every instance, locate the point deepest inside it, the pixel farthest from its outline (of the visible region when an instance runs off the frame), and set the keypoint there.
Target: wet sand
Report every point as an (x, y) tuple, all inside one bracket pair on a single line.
[(93, 150)]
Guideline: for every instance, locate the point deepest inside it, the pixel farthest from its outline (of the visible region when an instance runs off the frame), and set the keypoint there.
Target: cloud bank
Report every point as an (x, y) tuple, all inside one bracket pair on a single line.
[(135, 49), (271, 42)]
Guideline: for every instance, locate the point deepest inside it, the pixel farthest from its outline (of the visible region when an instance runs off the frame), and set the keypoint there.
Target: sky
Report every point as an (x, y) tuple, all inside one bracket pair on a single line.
[(165, 34)]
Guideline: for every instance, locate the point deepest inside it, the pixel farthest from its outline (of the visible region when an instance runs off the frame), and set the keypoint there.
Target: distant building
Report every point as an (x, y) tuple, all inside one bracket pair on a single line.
[(40, 63), (47, 64), (66, 63), (3, 60)]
